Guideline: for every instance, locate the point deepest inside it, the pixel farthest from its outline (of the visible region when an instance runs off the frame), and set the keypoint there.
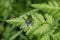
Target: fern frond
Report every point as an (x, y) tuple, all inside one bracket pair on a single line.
[(40, 17), (44, 28), (39, 28), (39, 24), (45, 37), (49, 19), (21, 18), (52, 8), (56, 36), (16, 21)]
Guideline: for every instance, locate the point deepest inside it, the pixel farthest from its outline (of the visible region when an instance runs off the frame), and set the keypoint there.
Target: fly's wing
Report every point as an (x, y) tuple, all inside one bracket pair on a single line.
[(30, 25), (27, 25)]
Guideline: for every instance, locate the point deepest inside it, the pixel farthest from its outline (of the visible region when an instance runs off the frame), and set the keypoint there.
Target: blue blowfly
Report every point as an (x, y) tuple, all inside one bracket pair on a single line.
[(28, 22)]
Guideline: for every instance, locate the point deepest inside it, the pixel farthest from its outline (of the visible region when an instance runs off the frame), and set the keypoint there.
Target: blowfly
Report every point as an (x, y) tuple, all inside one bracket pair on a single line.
[(28, 22)]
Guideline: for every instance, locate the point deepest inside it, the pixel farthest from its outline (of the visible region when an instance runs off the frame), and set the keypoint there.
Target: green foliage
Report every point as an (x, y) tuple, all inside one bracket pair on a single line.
[(52, 8), (44, 23)]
